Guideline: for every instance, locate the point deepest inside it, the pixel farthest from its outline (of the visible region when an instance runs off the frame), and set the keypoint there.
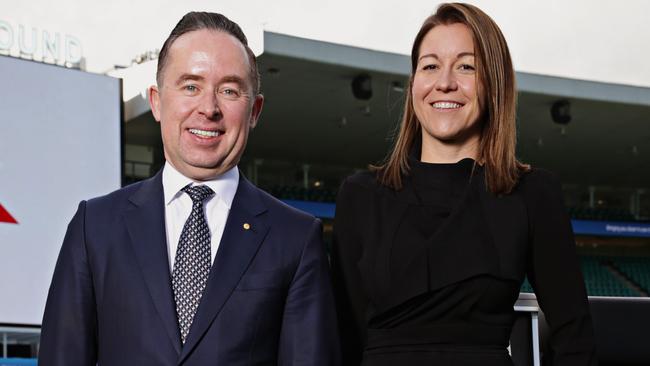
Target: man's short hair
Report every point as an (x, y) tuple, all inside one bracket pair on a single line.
[(193, 21)]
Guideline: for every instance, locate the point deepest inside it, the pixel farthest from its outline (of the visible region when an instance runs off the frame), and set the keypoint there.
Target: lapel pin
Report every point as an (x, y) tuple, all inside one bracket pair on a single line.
[(247, 226)]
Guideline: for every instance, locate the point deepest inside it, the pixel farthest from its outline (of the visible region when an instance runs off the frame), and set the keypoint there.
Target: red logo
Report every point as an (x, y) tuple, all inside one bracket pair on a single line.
[(5, 216)]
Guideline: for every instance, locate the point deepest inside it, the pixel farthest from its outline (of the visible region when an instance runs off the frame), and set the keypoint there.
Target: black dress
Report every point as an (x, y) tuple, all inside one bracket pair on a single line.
[(428, 275)]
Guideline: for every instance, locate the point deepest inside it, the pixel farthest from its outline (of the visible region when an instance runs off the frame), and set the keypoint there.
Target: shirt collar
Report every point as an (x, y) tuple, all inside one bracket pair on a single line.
[(224, 186)]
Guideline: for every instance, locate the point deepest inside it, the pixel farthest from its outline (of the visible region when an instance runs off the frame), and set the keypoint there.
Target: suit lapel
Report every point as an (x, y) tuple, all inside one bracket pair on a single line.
[(237, 248), (146, 224)]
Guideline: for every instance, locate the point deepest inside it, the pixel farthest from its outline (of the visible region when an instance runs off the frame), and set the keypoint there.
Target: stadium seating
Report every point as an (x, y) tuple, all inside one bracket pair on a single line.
[(303, 194), (600, 213), (526, 287), (636, 269), (600, 281)]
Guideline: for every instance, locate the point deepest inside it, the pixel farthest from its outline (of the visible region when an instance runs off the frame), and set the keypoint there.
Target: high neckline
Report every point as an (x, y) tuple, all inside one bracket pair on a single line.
[(433, 175)]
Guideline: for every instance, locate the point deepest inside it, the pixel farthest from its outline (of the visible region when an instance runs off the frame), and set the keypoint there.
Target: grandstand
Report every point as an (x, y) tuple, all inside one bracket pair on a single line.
[(601, 280), (305, 194), (601, 213), (636, 269)]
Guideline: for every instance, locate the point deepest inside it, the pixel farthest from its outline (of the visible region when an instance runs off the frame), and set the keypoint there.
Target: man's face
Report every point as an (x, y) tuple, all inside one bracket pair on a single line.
[(205, 103)]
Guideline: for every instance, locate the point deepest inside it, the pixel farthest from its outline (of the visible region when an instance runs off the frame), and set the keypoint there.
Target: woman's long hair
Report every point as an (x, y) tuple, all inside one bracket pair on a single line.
[(496, 75)]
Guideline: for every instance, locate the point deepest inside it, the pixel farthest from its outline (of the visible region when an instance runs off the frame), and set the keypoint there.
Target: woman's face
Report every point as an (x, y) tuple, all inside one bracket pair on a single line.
[(447, 96)]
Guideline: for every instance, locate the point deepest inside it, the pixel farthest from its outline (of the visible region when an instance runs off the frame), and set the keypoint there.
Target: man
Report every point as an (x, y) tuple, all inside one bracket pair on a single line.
[(194, 266)]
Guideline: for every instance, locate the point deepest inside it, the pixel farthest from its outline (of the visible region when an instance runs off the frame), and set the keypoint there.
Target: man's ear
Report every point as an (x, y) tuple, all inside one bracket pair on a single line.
[(154, 101), (258, 103)]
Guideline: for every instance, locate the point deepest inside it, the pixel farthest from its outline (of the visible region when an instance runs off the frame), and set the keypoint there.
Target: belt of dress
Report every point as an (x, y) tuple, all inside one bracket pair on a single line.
[(440, 337)]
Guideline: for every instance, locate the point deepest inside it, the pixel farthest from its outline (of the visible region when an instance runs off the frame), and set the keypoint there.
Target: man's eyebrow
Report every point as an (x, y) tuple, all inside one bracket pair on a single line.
[(185, 77), (233, 79), (462, 54), (226, 79)]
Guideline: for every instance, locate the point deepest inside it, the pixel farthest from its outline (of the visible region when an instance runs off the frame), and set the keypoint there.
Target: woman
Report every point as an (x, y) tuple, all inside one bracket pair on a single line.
[(432, 247)]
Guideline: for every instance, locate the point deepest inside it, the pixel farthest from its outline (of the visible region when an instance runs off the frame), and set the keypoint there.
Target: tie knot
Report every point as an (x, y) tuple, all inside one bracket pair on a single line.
[(198, 193)]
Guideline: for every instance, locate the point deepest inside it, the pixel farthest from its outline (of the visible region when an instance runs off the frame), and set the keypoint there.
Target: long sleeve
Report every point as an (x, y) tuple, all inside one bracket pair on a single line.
[(555, 274), (346, 252), (69, 333)]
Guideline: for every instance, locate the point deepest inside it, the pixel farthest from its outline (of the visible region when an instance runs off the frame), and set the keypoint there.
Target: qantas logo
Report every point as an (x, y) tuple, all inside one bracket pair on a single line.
[(5, 216)]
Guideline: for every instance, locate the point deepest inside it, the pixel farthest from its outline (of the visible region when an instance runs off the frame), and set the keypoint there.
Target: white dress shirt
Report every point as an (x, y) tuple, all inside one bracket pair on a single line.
[(178, 206)]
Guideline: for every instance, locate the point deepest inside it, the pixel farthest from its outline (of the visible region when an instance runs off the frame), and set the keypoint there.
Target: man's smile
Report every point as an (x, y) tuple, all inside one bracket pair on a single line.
[(204, 133)]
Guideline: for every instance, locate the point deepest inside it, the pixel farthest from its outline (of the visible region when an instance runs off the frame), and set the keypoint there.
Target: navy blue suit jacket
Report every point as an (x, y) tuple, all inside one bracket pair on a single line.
[(268, 298)]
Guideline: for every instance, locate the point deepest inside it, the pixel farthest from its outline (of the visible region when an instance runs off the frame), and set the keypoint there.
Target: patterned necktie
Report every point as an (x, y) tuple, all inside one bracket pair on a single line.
[(192, 264)]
